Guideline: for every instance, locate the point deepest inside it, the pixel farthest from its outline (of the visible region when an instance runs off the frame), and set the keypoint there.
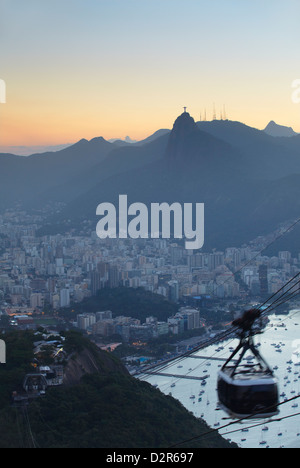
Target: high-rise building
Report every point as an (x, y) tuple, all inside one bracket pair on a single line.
[(263, 280), (285, 255), (96, 283), (176, 254), (173, 291), (103, 268), (36, 300), (214, 260), (113, 276), (85, 321), (103, 315), (64, 298)]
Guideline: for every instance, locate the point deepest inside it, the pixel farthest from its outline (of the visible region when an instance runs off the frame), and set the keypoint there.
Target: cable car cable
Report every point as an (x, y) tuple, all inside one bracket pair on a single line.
[(178, 359), (283, 287), (221, 336), (262, 423), (245, 345), (212, 430), (230, 331), (258, 253)]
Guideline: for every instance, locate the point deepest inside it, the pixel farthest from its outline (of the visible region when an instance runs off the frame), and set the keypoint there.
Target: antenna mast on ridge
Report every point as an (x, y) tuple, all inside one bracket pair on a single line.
[(214, 113)]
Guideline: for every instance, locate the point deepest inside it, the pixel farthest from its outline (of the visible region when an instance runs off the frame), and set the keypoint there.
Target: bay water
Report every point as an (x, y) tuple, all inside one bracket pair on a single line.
[(280, 346)]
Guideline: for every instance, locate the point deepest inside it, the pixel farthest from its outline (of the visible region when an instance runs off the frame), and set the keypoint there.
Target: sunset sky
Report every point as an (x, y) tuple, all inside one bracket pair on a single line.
[(85, 68)]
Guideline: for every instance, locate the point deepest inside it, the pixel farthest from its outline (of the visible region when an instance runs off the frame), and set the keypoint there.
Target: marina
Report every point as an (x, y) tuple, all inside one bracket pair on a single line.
[(280, 345)]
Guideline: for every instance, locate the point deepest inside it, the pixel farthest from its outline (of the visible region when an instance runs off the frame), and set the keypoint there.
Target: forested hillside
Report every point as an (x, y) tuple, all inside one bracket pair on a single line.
[(107, 408)]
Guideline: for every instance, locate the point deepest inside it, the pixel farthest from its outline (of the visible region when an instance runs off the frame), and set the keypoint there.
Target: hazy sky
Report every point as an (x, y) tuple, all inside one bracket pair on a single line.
[(84, 68)]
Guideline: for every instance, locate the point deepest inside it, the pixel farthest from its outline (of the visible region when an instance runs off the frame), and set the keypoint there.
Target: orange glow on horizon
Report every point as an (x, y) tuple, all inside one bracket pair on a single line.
[(31, 129), (117, 69), (59, 118)]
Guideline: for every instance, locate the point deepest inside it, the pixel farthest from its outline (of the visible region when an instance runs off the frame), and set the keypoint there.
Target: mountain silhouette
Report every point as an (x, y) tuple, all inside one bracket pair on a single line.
[(276, 130), (188, 145), (248, 180), (262, 156)]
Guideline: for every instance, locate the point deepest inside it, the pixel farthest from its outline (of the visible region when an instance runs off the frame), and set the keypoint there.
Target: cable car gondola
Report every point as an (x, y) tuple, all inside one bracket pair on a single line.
[(248, 390)]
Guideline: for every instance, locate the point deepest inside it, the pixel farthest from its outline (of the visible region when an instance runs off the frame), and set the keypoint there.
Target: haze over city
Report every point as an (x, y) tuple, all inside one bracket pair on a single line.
[(151, 235)]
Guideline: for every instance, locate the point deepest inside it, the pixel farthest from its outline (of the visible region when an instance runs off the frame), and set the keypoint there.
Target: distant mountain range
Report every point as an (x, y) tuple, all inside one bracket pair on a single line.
[(248, 180), (272, 129), (29, 150), (276, 130)]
